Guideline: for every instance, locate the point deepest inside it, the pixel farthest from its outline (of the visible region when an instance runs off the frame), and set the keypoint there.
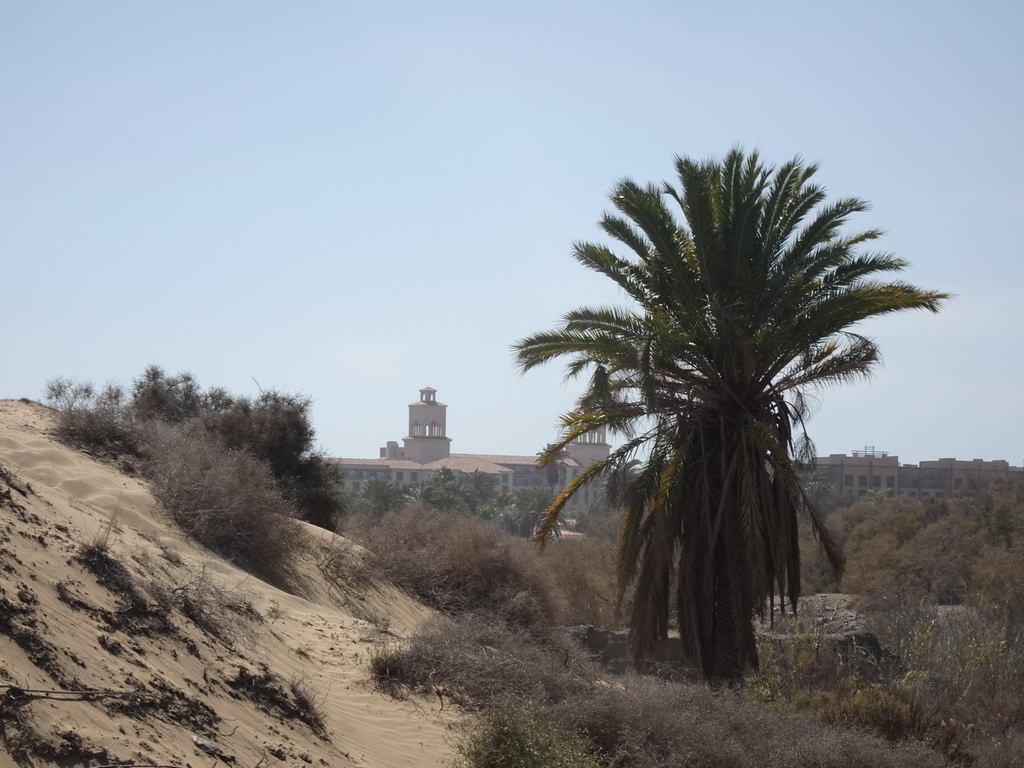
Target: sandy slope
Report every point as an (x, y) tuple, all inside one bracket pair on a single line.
[(180, 642)]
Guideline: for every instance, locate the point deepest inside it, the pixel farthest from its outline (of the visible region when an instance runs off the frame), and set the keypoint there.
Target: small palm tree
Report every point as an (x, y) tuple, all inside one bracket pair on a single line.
[(555, 470), (526, 512), (379, 497), (443, 491), (740, 309), (477, 489)]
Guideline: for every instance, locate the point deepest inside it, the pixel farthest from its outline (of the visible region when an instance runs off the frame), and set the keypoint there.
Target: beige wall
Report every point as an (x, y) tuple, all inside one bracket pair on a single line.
[(865, 472)]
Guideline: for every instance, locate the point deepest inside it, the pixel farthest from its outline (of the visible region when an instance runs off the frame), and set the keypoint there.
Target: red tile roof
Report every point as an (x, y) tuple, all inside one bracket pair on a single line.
[(490, 464)]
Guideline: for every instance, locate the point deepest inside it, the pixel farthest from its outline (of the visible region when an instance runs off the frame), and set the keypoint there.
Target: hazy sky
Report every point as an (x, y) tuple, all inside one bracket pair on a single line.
[(356, 200)]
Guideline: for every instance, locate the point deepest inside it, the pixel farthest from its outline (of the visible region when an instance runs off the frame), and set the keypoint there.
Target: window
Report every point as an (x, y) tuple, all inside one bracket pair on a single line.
[(862, 494), (957, 483), (849, 480), (414, 476), (890, 482), (399, 476), (862, 481), (876, 481)]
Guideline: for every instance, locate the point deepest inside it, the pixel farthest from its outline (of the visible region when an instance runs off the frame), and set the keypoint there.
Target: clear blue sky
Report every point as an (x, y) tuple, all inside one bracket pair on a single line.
[(356, 200)]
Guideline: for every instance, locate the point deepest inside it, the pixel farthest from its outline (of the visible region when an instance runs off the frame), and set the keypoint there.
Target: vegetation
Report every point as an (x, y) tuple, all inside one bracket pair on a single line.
[(233, 472), (225, 499), (935, 580), (739, 310), (514, 736), (275, 429), (945, 689), (457, 564), (93, 418), (381, 497)]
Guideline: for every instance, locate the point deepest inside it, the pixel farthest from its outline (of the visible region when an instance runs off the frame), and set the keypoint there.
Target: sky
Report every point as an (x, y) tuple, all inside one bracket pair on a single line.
[(354, 200)]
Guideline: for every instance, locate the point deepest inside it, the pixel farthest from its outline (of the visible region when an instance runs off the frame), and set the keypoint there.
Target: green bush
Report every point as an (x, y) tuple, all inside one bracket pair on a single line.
[(515, 735)]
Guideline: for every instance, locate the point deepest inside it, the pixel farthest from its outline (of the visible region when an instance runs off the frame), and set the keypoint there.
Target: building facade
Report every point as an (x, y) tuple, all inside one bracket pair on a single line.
[(869, 471), (427, 448)]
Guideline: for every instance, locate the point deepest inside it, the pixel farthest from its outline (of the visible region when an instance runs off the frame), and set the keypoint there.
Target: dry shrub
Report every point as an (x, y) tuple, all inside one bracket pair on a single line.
[(340, 562), (967, 668), (649, 723), (223, 612), (584, 569), (226, 500), (293, 700), (950, 677), (458, 564), (478, 662), (97, 419), (275, 428), (633, 721), (999, 590)]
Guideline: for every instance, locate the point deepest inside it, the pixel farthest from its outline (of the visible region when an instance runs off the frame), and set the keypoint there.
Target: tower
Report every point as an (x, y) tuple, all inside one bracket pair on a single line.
[(427, 441), (589, 447)]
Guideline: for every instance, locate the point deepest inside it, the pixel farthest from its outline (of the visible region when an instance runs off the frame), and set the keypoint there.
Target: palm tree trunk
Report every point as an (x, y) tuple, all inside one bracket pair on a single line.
[(727, 655)]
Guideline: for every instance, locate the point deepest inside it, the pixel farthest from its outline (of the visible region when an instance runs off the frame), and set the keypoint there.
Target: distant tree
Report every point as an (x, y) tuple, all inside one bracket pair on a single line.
[(555, 470), (277, 428), (526, 512), (379, 497), (477, 489), (821, 492), (172, 399), (443, 491), (497, 506)]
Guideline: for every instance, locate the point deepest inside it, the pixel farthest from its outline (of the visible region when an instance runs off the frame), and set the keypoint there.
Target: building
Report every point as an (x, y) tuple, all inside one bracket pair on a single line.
[(427, 448), (868, 471)]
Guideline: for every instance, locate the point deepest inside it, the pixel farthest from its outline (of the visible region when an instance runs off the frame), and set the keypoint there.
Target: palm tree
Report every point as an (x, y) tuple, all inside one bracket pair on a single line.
[(740, 310), (443, 491), (554, 467), (477, 488), (380, 497)]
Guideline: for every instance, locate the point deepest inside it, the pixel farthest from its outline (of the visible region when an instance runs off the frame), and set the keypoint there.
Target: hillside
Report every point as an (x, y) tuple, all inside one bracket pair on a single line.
[(121, 641)]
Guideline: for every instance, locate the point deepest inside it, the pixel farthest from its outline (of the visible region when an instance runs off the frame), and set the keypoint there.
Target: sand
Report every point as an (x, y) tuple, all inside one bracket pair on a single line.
[(179, 643)]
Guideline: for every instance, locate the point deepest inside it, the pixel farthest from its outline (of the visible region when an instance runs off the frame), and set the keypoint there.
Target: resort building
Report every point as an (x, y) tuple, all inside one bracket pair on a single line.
[(868, 471), (427, 448)]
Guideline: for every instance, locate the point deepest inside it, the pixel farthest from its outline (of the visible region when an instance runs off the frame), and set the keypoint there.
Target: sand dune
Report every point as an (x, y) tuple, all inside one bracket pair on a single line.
[(179, 642)]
